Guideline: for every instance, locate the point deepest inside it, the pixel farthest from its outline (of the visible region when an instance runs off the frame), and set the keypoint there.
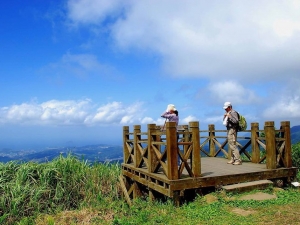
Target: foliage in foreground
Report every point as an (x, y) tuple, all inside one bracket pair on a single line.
[(69, 191), (296, 154), (282, 210), (27, 189), (296, 157)]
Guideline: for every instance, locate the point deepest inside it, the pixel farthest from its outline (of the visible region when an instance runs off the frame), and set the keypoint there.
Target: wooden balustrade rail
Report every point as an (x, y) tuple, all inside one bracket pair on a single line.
[(158, 150)]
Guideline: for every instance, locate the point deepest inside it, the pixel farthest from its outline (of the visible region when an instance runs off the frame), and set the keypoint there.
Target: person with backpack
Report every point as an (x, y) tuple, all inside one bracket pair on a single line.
[(231, 121)]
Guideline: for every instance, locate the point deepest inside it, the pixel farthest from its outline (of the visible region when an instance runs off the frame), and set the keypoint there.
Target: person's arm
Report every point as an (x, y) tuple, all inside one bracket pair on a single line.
[(166, 115)]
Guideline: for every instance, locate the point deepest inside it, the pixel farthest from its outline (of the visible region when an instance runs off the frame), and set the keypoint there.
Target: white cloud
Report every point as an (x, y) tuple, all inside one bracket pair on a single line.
[(188, 119), (19, 113), (243, 49), (234, 38), (92, 11), (214, 120), (116, 113), (247, 41), (148, 120), (284, 107), (70, 112), (286, 28), (231, 91)]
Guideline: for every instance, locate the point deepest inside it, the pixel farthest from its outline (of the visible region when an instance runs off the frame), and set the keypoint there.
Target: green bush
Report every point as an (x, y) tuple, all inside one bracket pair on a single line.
[(296, 155), (65, 183)]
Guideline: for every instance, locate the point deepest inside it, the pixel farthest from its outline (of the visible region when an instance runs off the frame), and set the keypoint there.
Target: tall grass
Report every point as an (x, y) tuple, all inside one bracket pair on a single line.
[(65, 183), (69, 191)]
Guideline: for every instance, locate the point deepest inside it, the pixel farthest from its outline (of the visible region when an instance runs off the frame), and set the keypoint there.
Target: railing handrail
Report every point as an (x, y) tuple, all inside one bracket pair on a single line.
[(162, 147)]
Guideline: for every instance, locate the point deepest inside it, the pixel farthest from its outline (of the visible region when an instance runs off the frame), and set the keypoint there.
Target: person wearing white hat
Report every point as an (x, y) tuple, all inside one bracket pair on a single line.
[(171, 114), (231, 121)]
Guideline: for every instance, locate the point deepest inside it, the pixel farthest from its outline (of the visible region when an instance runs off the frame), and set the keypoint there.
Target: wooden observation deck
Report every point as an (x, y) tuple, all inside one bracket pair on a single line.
[(150, 166)]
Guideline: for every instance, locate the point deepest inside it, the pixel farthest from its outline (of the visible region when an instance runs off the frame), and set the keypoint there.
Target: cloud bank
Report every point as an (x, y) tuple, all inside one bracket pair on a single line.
[(244, 40), (76, 113)]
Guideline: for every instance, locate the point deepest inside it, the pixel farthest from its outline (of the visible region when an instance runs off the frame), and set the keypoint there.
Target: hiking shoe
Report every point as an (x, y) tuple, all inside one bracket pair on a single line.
[(237, 162), (230, 162)]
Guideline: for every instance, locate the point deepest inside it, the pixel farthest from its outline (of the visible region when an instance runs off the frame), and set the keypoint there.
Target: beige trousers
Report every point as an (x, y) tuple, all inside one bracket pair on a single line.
[(232, 136)]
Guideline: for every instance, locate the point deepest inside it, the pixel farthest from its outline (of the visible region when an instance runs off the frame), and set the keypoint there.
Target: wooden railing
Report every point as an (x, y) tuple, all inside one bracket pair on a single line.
[(158, 150)]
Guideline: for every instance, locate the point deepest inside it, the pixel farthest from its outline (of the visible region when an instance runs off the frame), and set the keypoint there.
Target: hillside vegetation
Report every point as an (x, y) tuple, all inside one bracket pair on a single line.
[(71, 191)]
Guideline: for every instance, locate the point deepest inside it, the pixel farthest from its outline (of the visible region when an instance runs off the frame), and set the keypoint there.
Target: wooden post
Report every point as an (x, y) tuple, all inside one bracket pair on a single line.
[(186, 137), (158, 136), (172, 156), (136, 138), (125, 139), (151, 195), (285, 126), (151, 155), (270, 145), (176, 198), (211, 134), (136, 190), (255, 146), (124, 189), (196, 159)]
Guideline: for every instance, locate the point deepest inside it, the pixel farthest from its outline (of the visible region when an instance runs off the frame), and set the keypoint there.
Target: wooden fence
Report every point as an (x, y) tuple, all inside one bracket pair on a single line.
[(159, 149), (168, 161)]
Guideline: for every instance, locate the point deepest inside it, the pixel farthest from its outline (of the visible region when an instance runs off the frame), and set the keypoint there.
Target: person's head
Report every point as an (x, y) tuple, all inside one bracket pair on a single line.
[(227, 106), (171, 108)]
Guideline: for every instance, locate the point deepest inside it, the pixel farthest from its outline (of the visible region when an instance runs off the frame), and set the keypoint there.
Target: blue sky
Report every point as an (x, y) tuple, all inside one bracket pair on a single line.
[(75, 72)]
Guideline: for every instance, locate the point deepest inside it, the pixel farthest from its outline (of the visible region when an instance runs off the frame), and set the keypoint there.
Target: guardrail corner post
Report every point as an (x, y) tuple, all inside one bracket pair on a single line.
[(270, 145)]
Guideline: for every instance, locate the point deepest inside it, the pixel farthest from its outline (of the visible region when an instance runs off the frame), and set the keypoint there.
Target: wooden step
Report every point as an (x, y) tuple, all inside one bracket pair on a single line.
[(248, 186)]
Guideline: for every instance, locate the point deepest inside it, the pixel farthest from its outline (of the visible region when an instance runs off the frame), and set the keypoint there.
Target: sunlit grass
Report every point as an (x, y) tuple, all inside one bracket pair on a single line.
[(70, 191), (65, 183)]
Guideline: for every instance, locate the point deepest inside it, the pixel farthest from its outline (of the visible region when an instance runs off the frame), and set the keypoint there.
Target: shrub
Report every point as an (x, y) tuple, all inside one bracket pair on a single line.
[(65, 183), (296, 155)]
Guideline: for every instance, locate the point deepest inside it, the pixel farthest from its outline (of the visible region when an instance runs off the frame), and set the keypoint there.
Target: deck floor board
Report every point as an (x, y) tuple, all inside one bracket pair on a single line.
[(211, 167)]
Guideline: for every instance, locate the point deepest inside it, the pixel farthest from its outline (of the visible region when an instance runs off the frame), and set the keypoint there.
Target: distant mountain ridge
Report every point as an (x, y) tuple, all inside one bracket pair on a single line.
[(91, 153), (295, 134)]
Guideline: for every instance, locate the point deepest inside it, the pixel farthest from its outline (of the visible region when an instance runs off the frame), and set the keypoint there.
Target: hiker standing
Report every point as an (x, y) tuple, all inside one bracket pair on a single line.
[(171, 115), (231, 121)]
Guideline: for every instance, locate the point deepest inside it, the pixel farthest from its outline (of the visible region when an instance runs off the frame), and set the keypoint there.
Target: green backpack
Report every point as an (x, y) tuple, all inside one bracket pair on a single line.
[(242, 123)]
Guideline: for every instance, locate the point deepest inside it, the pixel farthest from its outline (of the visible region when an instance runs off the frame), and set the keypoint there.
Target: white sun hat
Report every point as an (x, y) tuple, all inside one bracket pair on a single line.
[(226, 105), (171, 107)]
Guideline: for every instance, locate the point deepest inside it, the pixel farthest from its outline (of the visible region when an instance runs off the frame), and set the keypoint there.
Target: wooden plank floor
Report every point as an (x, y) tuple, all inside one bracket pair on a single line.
[(212, 166), (216, 172)]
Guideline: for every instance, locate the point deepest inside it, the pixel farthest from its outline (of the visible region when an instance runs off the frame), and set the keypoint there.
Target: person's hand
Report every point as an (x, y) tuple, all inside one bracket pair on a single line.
[(226, 114)]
